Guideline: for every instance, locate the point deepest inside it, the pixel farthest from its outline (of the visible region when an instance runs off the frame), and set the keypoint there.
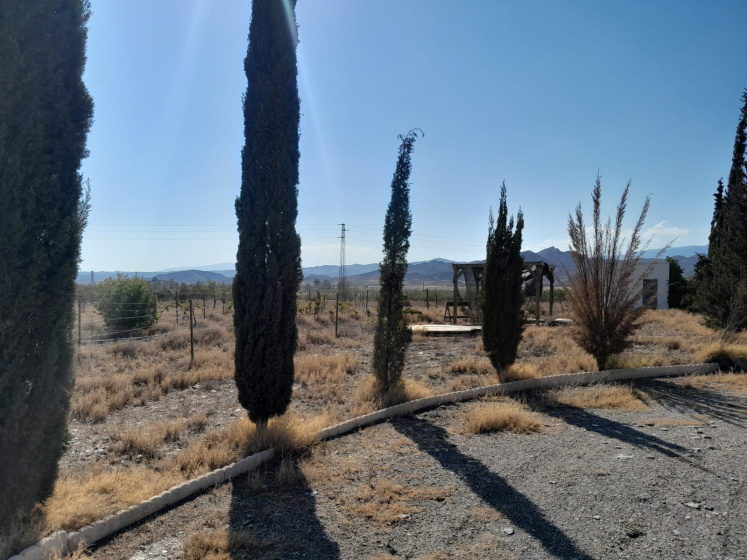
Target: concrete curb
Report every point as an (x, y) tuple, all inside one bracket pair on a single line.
[(62, 542)]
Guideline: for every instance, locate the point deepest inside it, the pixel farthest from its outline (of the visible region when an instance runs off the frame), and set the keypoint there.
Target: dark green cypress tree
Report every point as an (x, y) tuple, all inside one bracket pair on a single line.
[(720, 280), (268, 262), (502, 322), (392, 334), (45, 115), (677, 292)]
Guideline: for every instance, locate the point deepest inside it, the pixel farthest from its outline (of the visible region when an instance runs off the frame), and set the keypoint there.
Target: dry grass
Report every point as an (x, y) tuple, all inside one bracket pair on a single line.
[(471, 364), (146, 441), (81, 499), (384, 502), (552, 351), (314, 369), (219, 544), (22, 534), (507, 416), (369, 396), (619, 397), (519, 371), (726, 381), (728, 356)]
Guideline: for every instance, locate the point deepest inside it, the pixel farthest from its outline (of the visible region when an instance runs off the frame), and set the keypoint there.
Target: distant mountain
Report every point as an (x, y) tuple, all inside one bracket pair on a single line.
[(434, 272), (193, 276), (687, 251)]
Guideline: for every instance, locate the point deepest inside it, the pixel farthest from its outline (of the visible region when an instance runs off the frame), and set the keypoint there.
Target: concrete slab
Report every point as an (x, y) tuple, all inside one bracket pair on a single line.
[(446, 330)]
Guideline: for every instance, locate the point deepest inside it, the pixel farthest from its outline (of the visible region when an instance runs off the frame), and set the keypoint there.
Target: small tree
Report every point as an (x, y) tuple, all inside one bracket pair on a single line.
[(602, 293), (127, 304), (678, 285), (268, 261), (502, 321), (392, 334)]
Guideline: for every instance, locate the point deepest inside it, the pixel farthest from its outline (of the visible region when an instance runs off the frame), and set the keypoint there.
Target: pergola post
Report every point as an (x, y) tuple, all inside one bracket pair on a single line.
[(456, 296), (538, 279)]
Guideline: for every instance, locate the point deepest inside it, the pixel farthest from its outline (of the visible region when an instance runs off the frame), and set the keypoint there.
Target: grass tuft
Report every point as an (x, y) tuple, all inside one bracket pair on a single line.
[(369, 397), (507, 416), (619, 397)]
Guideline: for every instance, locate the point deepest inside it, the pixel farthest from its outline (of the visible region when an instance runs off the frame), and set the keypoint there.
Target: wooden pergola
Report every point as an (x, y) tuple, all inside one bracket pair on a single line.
[(534, 274)]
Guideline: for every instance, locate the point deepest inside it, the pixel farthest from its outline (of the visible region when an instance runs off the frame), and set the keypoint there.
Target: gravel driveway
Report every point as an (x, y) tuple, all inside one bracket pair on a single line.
[(667, 482)]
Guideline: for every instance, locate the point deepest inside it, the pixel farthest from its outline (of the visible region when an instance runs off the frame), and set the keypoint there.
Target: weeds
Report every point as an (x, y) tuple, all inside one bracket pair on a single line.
[(507, 416)]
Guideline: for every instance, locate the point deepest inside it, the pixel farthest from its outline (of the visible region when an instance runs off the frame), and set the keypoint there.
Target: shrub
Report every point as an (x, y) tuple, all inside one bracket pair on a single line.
[(602, 294), (127, 304)]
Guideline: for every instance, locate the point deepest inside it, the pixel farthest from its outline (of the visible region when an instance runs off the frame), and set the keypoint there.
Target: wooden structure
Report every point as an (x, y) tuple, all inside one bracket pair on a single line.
[(533, 279)]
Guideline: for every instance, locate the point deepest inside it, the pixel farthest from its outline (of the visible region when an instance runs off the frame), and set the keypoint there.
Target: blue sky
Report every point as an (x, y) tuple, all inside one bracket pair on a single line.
[(541, 94)]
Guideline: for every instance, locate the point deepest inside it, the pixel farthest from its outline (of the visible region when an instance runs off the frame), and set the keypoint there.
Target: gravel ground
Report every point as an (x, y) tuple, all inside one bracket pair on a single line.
[(667, 482)]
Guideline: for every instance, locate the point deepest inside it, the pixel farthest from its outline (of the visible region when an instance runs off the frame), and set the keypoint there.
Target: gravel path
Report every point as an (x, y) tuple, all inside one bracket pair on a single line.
[(667, 482)]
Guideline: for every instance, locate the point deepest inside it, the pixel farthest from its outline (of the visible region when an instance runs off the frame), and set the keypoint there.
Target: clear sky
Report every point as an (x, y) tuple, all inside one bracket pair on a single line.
[(541, 94)]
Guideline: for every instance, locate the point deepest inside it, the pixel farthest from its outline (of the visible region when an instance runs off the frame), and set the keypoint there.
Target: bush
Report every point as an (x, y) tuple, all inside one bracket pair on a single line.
[(127, 303)]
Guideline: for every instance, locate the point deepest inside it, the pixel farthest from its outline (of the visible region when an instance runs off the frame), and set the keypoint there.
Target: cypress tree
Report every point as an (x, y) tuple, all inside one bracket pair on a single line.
[(502, 323), (720, 280), (45, 115), (268, 262), (392, 334)]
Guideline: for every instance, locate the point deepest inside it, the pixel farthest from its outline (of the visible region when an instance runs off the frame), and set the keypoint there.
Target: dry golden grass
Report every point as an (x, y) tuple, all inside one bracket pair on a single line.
[(726, 381), (81, 499), (552, 351), (619, 397), (465, 382), (218, 544), (484, 513), (384, 502), (519, 371), (314, 369), (22, 534), (369, 396), (472, 364), (146, 441), (507, 416), (726, 355)]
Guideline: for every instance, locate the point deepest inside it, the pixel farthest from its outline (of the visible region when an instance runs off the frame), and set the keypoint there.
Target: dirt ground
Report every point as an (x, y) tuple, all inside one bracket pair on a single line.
[(664, 482)]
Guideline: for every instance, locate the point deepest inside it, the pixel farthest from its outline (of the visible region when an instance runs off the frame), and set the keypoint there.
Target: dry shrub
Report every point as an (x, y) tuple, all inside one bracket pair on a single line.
[(471, 364), (727, 356), (728, 381), (316, 369), (146, 441), (502, 416), (22, 533), (220, 447), (519, 371), (320, 338), (212, 336), (629, 360), (384, 502), (289, 474), (620, 397), (552, 351), (369, 396), (80, 499), (175, 342), (197, 422), (465, 382)]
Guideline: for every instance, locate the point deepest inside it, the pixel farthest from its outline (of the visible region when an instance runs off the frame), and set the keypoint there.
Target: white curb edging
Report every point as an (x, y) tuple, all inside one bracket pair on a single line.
[(62, 542)]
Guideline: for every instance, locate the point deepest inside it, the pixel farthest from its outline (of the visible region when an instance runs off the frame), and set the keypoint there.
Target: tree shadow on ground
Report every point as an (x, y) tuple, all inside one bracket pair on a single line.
[(716, 404), (273, 515), (490, 487)]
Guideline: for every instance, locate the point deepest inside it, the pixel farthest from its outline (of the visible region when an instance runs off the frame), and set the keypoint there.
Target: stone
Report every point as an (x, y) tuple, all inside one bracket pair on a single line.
[(508, 530)]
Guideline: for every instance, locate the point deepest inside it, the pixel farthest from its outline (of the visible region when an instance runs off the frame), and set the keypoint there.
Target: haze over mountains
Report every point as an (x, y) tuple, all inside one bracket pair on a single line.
[(433, 272)]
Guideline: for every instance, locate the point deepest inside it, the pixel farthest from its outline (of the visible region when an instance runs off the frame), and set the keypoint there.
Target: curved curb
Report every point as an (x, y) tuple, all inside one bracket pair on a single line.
[(61, 542)]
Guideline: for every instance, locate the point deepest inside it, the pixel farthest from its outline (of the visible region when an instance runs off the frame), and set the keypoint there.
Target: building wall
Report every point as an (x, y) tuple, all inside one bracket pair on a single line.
[(660, 272)]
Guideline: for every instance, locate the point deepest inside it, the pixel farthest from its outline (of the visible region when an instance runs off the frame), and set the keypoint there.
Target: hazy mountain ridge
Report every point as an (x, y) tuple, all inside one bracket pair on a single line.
[(434, 271)]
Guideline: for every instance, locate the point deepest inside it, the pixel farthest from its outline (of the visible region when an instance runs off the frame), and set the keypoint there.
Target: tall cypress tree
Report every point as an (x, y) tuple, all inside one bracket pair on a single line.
[(502, 323), (268, 262), (392, 334), (45, 115), (720, 280)]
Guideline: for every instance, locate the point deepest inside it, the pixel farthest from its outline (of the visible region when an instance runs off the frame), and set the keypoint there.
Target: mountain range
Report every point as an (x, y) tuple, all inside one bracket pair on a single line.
[(433, 272)]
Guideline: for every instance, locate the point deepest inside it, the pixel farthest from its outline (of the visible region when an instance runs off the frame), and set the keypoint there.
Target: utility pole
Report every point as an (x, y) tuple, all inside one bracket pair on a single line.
[(342, 282)]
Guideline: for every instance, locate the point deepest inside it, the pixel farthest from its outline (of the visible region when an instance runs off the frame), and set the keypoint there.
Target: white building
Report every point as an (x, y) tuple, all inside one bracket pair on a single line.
[(652, 286)]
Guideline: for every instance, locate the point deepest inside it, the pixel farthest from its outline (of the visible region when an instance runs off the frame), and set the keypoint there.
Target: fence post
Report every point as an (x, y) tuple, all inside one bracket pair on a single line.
[(79, 315), (191, 336), (427, 302), (366, 300), (337, 309), (176, 306), (204, 306)]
